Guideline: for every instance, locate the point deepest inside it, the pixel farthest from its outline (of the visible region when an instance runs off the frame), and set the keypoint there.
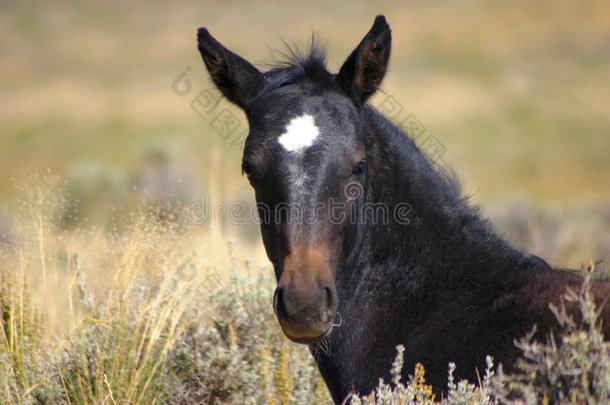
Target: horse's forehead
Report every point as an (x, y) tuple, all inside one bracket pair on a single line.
[(300, 133), (310, 123), (294, 124)]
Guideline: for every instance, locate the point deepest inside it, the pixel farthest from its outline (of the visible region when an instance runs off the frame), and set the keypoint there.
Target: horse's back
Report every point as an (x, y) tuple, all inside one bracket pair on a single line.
[(545, 287), (489, 322)]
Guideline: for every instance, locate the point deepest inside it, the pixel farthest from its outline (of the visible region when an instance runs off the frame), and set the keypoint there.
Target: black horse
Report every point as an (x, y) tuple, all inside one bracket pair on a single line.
[(371, 245)]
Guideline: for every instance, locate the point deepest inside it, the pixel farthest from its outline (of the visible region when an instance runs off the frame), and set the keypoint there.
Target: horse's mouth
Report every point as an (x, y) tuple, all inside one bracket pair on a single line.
[(306, 340)]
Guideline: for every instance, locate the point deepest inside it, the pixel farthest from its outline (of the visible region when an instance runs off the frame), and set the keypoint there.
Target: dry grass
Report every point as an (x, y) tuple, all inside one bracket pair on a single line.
[(148, 309), (106, 299), (136, 315)]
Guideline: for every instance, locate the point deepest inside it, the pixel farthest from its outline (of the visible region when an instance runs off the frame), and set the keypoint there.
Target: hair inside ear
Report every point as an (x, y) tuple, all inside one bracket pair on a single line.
[(362, 72)]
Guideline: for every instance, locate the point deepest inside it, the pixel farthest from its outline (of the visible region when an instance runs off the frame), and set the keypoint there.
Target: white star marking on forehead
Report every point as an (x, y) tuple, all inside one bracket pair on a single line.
[(300, 133)]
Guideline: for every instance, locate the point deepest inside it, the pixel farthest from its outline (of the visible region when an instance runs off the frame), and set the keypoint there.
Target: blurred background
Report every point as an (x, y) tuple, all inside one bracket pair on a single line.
[(113, 98)]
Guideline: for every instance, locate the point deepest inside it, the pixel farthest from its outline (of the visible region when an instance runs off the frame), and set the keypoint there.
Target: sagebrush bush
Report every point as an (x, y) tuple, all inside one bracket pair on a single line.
[(415, 391), (140, 315), (573, 367), (137, 316), (239, 355)]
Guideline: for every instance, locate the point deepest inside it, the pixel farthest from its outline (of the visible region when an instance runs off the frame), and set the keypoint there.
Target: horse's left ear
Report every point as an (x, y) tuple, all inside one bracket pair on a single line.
[(235, 77), (362, 72)]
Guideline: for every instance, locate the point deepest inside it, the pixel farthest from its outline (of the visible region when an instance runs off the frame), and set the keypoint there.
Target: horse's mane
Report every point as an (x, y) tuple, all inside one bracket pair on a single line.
[(297, 65)]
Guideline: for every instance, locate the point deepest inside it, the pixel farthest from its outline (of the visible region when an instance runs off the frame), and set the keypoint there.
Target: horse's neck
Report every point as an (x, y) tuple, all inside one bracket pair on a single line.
[(445, 238)]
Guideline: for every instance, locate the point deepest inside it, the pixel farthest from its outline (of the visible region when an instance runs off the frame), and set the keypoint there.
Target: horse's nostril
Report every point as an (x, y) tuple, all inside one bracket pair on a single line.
[(330, 297), (278, 302)]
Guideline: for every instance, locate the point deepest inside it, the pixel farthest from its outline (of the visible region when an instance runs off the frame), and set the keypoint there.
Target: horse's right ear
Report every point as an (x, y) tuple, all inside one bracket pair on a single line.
[(235, 77), (362, 72)]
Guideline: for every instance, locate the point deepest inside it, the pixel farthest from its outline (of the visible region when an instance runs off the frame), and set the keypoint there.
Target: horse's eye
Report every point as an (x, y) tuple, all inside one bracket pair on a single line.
[(249, 171), (359, 168)]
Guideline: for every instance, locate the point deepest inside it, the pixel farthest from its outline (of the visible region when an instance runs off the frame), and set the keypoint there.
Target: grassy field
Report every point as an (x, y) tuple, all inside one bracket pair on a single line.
[(514, 90), (106, 285), (145, 314)]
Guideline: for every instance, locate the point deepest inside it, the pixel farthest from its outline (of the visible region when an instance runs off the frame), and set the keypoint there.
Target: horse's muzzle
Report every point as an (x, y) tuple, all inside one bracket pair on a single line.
[(306, 316)]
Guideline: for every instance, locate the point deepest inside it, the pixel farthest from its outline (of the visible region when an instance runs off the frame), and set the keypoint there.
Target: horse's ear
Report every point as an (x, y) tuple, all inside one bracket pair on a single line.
[(235, 77), (362, 72)]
